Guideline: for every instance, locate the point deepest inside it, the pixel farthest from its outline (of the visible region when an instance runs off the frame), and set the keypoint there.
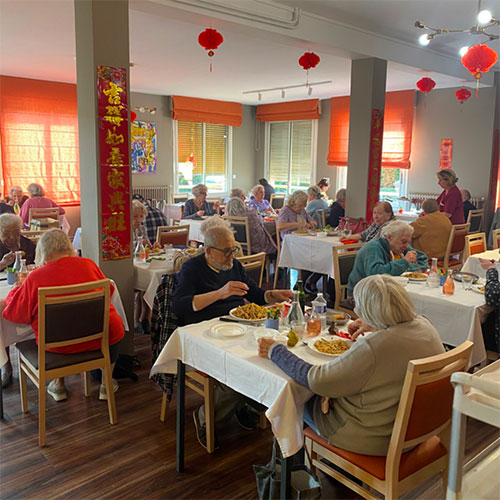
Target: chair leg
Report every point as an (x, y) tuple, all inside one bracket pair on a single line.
[(276, 272), (164, 408), (209, 413), (23, 387), (262, 420), (86, 384), (108, 382), (41, 412)]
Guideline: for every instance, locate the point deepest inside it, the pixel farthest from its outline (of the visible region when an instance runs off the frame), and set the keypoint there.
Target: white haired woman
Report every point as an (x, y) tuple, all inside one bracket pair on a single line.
[(237, 193), (258, 201), (294, 216), (337, 210), (59, 266), (198, 206), (390, 254), (37, 200), (260, 239), (315, 203), (450, 200), (360, 390), (16, 196), (12, 241), (139, 214)]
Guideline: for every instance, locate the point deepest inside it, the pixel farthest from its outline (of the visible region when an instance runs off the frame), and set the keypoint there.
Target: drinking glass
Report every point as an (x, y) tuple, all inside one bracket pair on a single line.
[(467, 282)]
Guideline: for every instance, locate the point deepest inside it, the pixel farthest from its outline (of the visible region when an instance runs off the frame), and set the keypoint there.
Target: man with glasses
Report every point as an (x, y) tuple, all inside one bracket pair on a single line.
[(209, 286)]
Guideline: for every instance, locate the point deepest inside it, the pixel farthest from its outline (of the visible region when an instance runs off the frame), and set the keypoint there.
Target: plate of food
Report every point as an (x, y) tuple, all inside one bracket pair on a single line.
[(251, 313), (458, 275), (339, 317), (479, 288), (330, 345), (228, 329), (303, 232), (415, 276)]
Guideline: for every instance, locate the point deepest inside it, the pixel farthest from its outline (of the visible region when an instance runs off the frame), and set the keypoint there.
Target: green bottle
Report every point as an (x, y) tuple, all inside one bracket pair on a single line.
[(302, 295)]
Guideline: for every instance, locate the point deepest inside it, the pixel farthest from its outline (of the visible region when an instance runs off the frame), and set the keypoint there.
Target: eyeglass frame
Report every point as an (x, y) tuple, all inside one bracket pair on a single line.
[(226, 251)]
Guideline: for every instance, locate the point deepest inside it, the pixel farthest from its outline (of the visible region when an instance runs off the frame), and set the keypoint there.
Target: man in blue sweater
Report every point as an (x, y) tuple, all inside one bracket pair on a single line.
[(209, 286)]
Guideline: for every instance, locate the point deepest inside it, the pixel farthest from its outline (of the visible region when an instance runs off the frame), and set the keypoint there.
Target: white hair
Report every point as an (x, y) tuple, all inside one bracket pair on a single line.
[(15, 188), (213, 235), (256, 188), (237, 193), (213, 222), (341, 195), (297, 198), (198, 189), (35, 190), (137, 205), (235, 206), (382, 302), (10, 220), (53, 242), (395, 228), (314, 191)]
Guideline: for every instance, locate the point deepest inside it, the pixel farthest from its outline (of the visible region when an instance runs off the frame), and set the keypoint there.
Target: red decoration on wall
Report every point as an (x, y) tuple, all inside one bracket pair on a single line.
[(445, 153), (309, 60), (114, 156), (210, 40), (375, 161), (133, 115), (426, 84), (462, 95)]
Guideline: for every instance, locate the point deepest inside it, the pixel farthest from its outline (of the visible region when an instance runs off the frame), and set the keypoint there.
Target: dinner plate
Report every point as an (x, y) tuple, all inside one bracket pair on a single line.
[(329, 338), (416, 280), (476, 288), (302, 233), (265, 333), (458, 275), (228, 329), (231, 313)]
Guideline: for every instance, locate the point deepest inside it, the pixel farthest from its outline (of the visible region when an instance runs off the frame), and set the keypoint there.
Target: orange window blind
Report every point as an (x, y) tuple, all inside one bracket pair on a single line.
[(193, 109), (289, 111), (39, 137), (398, 124)]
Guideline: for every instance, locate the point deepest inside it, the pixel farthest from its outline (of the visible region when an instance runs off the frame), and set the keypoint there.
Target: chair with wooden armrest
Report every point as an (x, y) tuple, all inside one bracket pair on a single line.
[(179, 198), (254, 266), (475, 243), (475, 220), (277, 201), (455, 250), (173, 235)]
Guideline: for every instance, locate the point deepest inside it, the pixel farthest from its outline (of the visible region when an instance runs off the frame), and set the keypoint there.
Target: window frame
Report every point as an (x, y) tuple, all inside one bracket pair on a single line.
[(314, 150), (229, 158)]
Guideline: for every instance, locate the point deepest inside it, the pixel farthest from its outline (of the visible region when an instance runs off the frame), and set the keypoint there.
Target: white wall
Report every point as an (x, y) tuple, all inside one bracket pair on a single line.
[(439, 115)]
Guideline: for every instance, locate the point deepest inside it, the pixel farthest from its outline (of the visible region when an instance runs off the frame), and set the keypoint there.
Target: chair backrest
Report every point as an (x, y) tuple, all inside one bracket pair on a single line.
[(475, 243), (254, 266), (174, 235), (58, 306), (343, 262), (475, 219), (179, 197), (456, 244), (496, 238), (277, 200), (34, 236), (426, 402), (241, 232), (320, 217), (44, 213)]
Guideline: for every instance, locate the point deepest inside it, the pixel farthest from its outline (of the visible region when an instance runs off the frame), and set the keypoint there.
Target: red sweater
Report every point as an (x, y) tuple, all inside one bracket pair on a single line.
[(22, 302)]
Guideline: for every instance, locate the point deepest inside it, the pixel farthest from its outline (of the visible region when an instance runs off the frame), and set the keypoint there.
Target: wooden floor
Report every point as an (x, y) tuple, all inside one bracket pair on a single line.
[(87, 458)]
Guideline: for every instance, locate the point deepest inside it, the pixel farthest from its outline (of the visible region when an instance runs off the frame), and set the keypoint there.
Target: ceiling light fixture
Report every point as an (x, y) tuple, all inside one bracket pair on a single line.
[(143, 109), (260, 96), (282, 93), (309, 90), (463, 50), (309, 86), (484, 19)]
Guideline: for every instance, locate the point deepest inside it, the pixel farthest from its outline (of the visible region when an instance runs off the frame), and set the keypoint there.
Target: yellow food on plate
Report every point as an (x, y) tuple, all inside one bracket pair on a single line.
[(481, 288), (338, 316), (301, 231), (414, 275), (250, 311), (333, 347)]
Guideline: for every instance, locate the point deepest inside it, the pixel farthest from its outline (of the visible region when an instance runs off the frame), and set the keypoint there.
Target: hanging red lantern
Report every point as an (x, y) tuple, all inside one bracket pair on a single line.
[(426, 85), (479, 59), (462, 95), (210, 40), (309, 60), (133, 115)]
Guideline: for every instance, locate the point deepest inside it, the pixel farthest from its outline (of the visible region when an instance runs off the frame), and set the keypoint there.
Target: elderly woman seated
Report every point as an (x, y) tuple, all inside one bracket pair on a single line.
[(37, 200), (237, 193), (260, 239), (59, 266), (12, 241), (357, 394), (315, 202), (389, 254), (258, 201), (382, 215), (16, 197), (198, 206), (139, 214), (294, 216)]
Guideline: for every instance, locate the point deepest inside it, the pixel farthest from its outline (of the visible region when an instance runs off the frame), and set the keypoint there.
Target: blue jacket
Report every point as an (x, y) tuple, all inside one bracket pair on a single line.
[(375, 258)]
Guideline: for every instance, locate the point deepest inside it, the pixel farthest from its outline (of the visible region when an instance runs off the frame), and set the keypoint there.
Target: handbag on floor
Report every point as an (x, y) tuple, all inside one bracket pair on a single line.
[(305, 485)]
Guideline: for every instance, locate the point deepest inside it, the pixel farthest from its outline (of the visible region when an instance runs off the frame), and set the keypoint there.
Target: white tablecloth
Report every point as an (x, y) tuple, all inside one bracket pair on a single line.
[(234, 362), (407, 216), (472, 264), (147, 277), (308, 252), (77, 239), (455, 317), (10, 333), (194, 229)]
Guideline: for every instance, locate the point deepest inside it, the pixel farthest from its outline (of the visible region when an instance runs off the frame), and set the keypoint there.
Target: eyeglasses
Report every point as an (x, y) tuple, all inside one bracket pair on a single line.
[(226, 251)]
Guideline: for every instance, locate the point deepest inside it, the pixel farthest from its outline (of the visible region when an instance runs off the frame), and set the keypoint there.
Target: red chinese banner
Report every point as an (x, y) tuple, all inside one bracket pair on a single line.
[(114, 161), (375, 161), (445, 154)]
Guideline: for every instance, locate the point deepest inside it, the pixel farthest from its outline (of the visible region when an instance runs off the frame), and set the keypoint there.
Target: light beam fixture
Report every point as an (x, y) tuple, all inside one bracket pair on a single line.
[(308, 86)]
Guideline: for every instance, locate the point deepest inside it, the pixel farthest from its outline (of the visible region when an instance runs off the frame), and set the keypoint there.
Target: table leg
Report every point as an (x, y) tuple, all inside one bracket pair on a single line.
[(180, 406), (285, 492)]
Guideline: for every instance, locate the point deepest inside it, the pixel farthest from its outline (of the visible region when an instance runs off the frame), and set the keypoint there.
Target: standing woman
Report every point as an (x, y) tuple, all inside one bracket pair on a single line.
[(324, 186), (450, 200)]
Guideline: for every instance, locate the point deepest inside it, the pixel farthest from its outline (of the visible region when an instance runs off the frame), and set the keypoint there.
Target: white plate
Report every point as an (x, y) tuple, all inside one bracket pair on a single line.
[(231, 313), (403, 280), (476, 289), (265, 333), (416, 280), (228, 329), (301, 233), (329, 338)]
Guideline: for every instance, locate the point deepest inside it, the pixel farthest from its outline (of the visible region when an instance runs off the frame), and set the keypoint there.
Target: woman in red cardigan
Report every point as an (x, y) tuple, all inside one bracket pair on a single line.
[(59, 266)]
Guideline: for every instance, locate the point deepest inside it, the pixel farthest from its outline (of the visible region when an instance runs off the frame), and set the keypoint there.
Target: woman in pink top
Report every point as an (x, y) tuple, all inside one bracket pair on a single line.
[(37, 200), (450, 200)]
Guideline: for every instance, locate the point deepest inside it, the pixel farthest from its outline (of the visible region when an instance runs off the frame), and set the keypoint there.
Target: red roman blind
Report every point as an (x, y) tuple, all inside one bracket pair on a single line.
[(193, 109), (288, 111)]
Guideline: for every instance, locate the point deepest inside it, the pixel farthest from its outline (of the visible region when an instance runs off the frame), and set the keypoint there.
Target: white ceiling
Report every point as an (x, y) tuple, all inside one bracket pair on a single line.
[(37, 41)]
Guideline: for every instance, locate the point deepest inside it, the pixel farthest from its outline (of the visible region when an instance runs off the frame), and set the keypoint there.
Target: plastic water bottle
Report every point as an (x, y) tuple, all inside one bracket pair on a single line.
[(319, 309)]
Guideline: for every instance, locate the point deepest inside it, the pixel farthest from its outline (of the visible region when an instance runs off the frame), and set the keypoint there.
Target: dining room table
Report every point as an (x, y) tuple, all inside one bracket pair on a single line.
[(195, 233), (173, 211), (473, 265), (407, 215)]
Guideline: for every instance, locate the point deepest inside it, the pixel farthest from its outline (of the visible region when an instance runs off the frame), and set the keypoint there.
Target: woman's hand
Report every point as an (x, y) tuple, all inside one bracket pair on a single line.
[(487, 264), (7, 260), (201, 213), (411, 257), (264, 346), (156, 245), (312, 224), (357, 327)]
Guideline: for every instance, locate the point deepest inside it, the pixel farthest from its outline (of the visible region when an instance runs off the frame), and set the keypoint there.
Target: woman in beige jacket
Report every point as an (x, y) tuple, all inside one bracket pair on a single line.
[(364, 384)]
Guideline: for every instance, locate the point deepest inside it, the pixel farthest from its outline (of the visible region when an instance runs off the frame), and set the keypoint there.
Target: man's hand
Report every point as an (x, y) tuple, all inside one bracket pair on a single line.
[(411, 257), (201, 213), (487, 264), (279, 295), (233, 288), (264, 346), (357, 327), (312, 224)]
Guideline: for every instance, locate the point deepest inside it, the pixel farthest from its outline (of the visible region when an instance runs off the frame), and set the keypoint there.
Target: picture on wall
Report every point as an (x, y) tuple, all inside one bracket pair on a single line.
[(143, 151), (445, 154)]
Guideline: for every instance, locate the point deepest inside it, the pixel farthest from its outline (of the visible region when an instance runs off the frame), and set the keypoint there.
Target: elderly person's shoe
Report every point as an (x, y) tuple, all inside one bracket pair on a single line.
[(201, 431), (102, 390), (57, 392), (247, 418)]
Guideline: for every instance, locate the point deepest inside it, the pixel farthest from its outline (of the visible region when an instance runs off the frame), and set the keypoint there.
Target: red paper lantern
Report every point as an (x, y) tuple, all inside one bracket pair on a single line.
[(210, 40), (462, 95), (133, 115), (479, 59), (426, 84), (309, 60)]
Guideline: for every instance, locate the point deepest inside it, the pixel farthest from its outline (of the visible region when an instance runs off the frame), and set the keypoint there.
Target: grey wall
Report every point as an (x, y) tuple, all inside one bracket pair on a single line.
[(244, 155), (438, 116)]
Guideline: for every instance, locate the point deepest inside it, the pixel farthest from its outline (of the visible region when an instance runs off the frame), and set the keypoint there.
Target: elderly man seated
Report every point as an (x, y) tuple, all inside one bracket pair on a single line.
[(208, 286), (389, 254), (11, 241), (431, 231)]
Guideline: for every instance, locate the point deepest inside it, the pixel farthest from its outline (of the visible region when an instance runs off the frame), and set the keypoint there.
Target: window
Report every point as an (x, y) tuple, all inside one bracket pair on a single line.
[(202, 156), (291, 154)]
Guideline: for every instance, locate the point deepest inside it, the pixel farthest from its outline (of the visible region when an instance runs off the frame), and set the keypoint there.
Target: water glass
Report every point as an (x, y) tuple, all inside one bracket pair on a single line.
[(467, 282)]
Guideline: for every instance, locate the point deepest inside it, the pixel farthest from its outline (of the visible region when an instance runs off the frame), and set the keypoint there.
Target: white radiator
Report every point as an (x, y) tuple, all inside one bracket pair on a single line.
[(154, 193), (477, 201)]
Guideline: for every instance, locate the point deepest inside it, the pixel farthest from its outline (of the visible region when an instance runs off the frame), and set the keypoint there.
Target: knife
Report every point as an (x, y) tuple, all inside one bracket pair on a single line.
[(229, 320)]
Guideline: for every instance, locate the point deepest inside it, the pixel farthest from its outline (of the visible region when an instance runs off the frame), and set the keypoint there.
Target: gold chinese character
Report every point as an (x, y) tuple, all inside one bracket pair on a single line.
[(115, 120), (113, 93), (115, 179), (113, 139), (114, 110), (116, 201), (116, 222), (115, 158)]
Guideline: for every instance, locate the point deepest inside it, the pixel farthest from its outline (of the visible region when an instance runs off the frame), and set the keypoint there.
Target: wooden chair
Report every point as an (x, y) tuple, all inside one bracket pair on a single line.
[(179, 198), (58, 307), (422, 423), (241, 232), (475, 220), (343, 263), (455, 250), (475, 243), (34, 236), (278, 253), (254, 266), (496, 238), (174, 235), (277, 201), (44, 213)]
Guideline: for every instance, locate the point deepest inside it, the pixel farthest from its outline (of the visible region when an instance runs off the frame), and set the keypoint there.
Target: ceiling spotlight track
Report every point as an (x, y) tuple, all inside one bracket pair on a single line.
[(308, 86)]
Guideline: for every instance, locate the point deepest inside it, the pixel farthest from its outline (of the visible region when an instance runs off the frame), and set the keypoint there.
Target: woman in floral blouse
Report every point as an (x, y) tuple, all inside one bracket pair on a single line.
[(382, 215), (491, 327)]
